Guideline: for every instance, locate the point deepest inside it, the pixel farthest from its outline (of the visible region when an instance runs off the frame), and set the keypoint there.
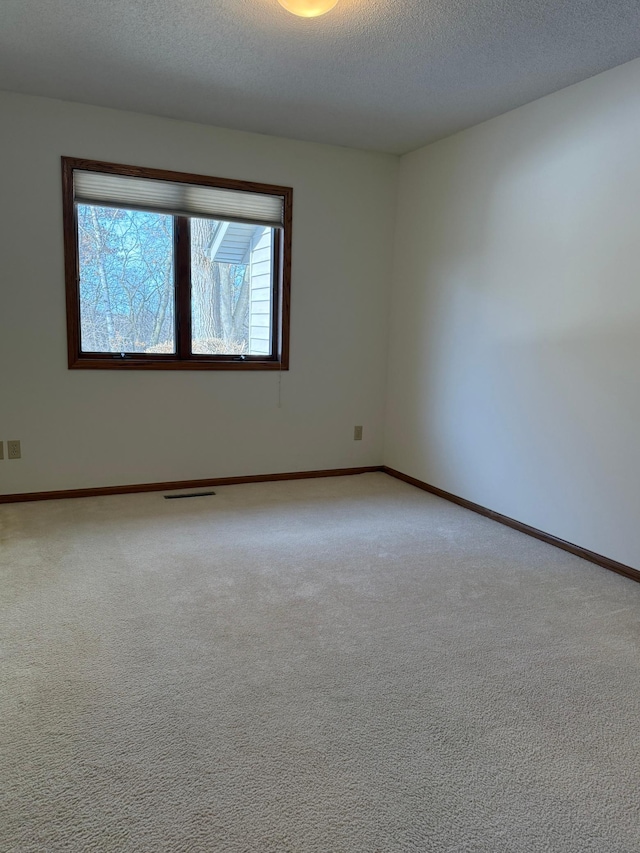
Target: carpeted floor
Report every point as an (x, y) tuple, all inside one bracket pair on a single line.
[(345, 665)]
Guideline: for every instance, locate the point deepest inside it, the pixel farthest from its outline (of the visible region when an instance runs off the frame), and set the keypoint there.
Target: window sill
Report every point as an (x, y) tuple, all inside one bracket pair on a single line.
[(194, 364)]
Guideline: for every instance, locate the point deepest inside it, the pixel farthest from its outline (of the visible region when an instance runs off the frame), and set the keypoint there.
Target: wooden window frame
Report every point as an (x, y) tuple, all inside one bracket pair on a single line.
[(183, 359)]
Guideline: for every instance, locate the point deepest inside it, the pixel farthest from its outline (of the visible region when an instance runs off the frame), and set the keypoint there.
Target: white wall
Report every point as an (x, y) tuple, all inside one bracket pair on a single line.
[(514, 374), (83, 428)]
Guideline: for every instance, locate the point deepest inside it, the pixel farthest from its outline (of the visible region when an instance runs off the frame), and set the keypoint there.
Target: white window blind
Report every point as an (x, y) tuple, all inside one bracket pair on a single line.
[(178, 199)]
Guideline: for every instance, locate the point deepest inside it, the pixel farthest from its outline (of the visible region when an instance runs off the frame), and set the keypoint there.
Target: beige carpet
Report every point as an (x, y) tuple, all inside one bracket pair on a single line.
[(328, 666)]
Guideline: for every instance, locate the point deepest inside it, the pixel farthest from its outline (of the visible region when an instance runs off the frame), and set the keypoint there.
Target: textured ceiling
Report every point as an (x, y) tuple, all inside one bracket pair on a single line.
[(389, 75)]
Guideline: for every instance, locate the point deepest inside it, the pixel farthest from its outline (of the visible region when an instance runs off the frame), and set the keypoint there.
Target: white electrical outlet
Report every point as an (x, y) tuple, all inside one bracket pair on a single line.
[(357, 433), (13, 450)]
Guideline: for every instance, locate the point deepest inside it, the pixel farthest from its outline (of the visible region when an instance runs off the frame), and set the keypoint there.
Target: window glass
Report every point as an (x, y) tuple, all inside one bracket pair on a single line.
[(126, 280), (231, 288)]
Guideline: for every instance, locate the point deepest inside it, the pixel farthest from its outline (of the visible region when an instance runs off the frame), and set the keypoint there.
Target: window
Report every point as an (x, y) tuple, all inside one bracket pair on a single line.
[(166, 270)]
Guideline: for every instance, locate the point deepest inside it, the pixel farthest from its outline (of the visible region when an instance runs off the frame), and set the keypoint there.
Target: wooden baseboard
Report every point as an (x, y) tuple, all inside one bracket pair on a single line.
[(182, 484), (591, 556)]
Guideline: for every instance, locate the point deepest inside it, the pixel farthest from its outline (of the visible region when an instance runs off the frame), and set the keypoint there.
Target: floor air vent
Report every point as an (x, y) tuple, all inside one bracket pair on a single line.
[(191, 495)]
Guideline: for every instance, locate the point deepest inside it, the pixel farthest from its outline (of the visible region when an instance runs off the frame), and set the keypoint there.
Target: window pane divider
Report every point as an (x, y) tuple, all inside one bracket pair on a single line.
[(183, 286)]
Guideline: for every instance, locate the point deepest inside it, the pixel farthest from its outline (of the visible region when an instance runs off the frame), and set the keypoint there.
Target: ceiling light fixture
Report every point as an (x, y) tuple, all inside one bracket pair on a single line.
[(308, 8)]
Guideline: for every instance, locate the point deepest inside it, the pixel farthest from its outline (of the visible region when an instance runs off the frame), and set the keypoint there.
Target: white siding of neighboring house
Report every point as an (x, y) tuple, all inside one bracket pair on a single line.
[(260, 300)]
